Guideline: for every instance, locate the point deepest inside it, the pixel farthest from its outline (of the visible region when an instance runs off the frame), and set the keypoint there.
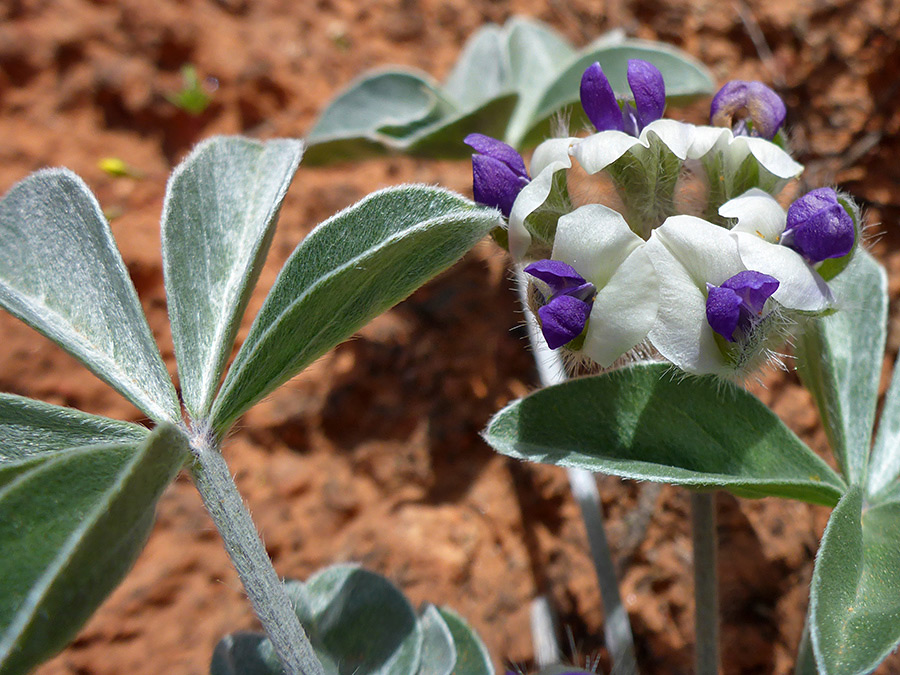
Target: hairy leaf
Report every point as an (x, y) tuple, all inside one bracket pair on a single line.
[(884, 468), (855, 593), (348, 270), (640, 423), (61, 273), (70, 528), (472, 656), (359, 622), (438, 650), (220, 212), (839, 359)]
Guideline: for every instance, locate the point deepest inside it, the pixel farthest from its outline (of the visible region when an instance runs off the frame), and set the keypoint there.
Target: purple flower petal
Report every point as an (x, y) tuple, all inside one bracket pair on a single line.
[(754, 288), (818, 227), (740, 99), (599, 101), (498, 150), (555, 273), (738, 303), (494, 183), (649, 90), (563, 319), (723, 311), (562, 279)]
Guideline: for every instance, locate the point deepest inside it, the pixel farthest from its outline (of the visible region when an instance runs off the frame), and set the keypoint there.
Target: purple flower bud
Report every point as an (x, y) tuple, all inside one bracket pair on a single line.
[(739, 100), (737, 305), (599, 101), (600, 105), (498, 173), (565, 315), (649, 90), (818, 227)]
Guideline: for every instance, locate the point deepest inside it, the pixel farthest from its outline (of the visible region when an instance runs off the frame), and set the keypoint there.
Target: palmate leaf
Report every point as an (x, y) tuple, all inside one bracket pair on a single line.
[(61, 273), (508, 83), (640, 423), (839, 359), (855, 594), (359, 622), (221, 207), (71, 526), (351, 268)]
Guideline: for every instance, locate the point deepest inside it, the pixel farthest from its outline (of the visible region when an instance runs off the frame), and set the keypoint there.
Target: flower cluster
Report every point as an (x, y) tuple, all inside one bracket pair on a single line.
[(712, 291)]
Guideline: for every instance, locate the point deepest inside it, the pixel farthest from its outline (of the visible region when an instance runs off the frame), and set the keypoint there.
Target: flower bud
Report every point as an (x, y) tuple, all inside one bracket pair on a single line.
[(739, 101), (600, 105), (818, 227), (498, 172)]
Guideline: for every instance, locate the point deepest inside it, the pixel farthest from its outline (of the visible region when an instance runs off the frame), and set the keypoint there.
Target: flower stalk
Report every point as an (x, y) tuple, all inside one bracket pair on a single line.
[(706, 582)]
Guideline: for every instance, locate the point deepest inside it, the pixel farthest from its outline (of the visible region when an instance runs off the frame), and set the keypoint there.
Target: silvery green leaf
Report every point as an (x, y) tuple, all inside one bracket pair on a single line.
[(376, 109), (70, 528), (472, 657), (32, 431), (855, 592), (444, 139), (221, 207), (536, 53), (685, 78), (351, 268), (884, 464), (358, 622), (438, 650), (243, 653), (640, 423), (482, 71), (440, 138), (61, 273), (839, 359)]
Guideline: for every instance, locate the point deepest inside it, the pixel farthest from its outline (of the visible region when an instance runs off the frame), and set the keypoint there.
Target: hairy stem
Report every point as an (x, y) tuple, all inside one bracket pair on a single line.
[(706, 591), (264, 588), (617, 628)]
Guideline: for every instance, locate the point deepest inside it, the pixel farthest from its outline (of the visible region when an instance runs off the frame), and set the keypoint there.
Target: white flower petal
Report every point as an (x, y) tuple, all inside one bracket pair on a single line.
[(529, 200), (800, 286), (677, 136), (772, 158), (552, 150), (735, 150), (758, 213), (705, 138), (594, 240), (681, 332), (707, 252), (598, 151), (624, 310)]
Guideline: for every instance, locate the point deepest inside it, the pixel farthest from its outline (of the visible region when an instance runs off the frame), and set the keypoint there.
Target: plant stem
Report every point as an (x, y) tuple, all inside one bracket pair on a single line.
[(706, 620), (616, 627), (264, 588)]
